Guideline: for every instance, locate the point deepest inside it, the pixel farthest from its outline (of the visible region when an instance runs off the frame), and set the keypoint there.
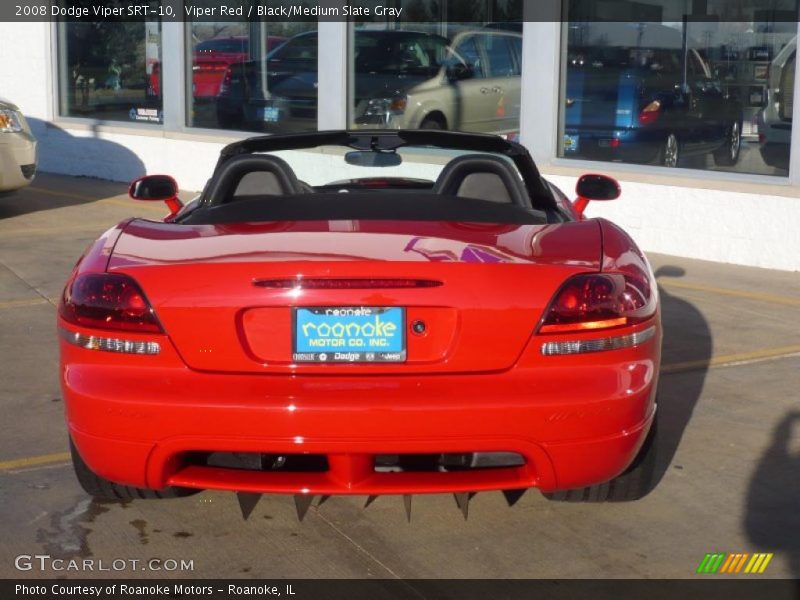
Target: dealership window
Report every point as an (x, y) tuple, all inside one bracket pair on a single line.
[(442, 65), (656, 83), (259, 77), (109, 71)]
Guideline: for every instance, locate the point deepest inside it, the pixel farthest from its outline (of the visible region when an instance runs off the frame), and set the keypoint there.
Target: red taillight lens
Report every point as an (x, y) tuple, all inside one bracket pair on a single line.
[(108, 301), (599, 301), (650, 113)]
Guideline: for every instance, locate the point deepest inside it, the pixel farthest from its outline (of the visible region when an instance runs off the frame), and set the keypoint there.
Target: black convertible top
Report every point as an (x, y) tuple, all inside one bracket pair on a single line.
[(387, 140)]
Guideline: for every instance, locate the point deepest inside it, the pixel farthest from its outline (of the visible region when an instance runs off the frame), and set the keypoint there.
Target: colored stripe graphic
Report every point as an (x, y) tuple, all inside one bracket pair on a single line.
[(721, 562), (711, 563)]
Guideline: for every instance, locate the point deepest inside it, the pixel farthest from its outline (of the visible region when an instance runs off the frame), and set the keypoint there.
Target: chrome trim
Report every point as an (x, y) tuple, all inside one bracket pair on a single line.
[(598, 345), (108, 344)]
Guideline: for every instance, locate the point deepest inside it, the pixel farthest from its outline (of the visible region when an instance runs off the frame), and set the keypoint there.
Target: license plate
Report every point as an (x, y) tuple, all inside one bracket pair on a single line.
[(362, 334), (271, 114), (570, 143)]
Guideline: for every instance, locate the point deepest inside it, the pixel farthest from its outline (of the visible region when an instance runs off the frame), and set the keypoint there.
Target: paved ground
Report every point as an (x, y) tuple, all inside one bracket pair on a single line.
[(729, 477)]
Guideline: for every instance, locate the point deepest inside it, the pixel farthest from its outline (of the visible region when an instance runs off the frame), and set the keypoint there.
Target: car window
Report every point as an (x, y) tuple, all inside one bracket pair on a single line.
[(467, 51), (498, 51)]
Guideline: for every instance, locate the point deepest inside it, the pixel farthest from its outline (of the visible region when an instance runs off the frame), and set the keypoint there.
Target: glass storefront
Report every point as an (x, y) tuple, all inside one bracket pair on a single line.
[(430, 70), (656, 83), (259, 77), (109, 71), (700, 85)]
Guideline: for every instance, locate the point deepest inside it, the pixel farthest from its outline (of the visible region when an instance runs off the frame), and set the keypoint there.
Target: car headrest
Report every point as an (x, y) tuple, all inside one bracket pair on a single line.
[(253, 175), (481, 177)]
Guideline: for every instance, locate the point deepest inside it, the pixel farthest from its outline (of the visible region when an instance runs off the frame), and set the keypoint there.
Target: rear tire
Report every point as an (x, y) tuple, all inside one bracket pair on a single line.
[(635, 483), (727, 155), (103, 489)]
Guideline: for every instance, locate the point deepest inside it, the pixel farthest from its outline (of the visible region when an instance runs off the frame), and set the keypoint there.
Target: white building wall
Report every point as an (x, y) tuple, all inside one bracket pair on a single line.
[(724, 226)]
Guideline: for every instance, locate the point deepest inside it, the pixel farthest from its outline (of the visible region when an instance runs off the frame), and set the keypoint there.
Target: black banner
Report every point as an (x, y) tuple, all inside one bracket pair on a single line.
[(749, 11), (397, 589)]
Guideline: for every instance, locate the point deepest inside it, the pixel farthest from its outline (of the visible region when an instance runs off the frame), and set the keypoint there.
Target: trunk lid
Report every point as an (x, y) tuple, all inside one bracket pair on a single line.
[(496, 281)]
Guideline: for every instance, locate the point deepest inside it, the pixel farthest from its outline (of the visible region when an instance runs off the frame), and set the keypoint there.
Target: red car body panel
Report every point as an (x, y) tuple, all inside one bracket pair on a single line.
[(477, 381)]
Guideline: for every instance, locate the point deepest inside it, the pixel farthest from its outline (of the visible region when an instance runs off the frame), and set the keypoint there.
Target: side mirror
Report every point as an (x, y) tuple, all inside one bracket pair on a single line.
[(161, 188), (594, 187)]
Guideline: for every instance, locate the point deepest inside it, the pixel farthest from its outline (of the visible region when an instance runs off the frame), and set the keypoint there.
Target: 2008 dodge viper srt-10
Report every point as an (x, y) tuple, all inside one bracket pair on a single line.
[(364, 312)]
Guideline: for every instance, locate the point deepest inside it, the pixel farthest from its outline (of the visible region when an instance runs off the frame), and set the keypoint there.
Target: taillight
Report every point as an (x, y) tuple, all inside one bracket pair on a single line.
[(109, 301), (600, 301), (650, 113)]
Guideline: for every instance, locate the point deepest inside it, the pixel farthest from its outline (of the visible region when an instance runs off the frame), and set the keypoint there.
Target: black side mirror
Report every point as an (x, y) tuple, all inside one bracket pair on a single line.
[(594, 187), (157, 188), (153, 187), (597, 187)]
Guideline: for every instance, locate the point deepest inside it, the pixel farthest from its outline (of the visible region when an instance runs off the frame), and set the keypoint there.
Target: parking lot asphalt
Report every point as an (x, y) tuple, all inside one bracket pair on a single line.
[(729, 465)]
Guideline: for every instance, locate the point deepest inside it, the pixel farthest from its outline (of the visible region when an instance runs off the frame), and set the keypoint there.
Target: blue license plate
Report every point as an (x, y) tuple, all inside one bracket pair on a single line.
[(271, 114), (349, 334), (571, 143)]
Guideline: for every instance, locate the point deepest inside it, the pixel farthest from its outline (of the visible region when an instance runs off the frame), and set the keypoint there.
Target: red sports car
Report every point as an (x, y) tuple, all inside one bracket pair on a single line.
[(420, 312)]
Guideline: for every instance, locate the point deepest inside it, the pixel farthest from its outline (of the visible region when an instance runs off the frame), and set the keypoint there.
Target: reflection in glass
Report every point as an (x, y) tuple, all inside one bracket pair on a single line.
[(108, 71), (254, 76), (701, 92), (443, 65)]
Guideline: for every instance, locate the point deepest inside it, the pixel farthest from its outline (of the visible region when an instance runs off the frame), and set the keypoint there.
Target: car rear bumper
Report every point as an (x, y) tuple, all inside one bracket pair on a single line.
[(575, 422), (627, 145)]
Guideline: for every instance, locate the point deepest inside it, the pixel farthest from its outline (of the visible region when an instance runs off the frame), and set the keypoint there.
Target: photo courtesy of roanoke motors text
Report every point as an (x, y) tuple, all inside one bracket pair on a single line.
[(399, 299)]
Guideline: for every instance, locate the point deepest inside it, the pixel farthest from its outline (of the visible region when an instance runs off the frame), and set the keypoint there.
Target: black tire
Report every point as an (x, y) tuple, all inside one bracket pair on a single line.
[(433, 122), (635, 483), (727, 155), (670, 152), (103, 489)]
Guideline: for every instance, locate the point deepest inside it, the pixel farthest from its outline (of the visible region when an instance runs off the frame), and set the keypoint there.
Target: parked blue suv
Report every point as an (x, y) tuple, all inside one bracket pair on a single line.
[(645, 99)]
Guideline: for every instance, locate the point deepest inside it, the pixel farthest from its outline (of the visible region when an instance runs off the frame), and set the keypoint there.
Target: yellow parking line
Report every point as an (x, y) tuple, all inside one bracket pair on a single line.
[(31, 302), (774, 298), (42, 190), (731, 359), (34, 461)]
